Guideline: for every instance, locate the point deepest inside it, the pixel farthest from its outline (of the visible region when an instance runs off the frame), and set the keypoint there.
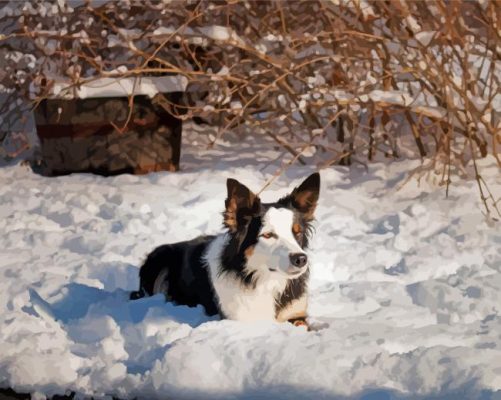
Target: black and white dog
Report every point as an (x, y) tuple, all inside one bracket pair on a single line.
[(256, 270)]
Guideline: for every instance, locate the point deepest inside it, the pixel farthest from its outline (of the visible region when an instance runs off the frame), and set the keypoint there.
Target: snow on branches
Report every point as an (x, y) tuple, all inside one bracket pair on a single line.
[(333, 82)]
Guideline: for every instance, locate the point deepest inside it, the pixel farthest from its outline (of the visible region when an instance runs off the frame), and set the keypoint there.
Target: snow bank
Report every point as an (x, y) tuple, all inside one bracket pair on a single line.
[(405, 288)]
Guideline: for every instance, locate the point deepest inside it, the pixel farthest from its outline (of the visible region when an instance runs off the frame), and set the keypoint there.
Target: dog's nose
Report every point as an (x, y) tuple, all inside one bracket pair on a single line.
[(298, 259)]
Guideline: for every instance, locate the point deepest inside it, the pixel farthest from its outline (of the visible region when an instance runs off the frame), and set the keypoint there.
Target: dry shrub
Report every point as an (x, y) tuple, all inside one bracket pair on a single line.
[(333, 82)]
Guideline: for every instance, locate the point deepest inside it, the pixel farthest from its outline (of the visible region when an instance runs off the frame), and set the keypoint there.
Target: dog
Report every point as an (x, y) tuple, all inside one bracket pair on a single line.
[(257, 269)]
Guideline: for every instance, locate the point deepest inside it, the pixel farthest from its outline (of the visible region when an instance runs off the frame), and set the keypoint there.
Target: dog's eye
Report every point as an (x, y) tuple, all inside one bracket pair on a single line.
[(296, 229), (268, 235)]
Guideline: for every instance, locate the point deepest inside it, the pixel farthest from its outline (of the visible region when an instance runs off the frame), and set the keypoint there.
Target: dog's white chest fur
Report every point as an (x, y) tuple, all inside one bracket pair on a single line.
[(247, 304), (236, 301)]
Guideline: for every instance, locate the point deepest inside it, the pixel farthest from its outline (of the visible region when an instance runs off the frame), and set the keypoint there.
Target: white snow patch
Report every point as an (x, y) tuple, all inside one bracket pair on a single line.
[(110, 87)]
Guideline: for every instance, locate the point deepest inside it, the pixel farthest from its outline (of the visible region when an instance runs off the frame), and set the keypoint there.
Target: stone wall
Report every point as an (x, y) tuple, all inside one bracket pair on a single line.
[(86, 135)]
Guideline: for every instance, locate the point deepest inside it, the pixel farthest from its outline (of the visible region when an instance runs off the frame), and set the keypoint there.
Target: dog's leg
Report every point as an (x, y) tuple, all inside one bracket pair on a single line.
[(295, 312), (300, 321)]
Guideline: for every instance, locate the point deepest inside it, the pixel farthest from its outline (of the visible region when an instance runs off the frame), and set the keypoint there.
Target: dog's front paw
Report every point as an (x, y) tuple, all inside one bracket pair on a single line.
[(300, 322)]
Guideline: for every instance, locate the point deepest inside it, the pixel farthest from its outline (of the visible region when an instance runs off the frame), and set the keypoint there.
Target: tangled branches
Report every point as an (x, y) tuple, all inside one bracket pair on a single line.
[(333, 82)]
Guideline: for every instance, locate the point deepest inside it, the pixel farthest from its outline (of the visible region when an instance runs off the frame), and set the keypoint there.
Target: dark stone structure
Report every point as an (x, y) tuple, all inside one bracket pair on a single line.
[(93, 135)]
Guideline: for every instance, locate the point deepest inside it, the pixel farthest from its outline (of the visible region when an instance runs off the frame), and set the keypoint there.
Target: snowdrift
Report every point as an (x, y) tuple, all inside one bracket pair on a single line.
[(405, 290)]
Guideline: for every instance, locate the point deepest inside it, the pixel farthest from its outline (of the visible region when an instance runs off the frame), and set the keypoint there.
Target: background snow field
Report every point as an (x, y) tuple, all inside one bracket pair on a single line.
[(405, 291)]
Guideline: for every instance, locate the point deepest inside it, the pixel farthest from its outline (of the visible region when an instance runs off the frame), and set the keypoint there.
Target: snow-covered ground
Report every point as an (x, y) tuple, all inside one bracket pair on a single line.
[(405, 293)]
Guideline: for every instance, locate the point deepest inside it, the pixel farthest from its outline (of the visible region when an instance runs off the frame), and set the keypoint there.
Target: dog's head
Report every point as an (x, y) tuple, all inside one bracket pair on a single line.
[(269, 237)]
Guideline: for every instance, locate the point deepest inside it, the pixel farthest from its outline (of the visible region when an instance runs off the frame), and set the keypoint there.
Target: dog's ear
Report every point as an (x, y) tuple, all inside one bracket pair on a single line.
[(304, 198), (240, 204)]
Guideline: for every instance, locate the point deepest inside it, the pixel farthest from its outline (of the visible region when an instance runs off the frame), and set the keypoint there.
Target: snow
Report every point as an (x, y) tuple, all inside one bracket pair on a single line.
[(198, 35), (118, 86), (404, 296)]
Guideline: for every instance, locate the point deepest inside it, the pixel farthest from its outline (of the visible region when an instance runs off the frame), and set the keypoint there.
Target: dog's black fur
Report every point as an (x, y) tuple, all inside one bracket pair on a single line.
[(186, 281)]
